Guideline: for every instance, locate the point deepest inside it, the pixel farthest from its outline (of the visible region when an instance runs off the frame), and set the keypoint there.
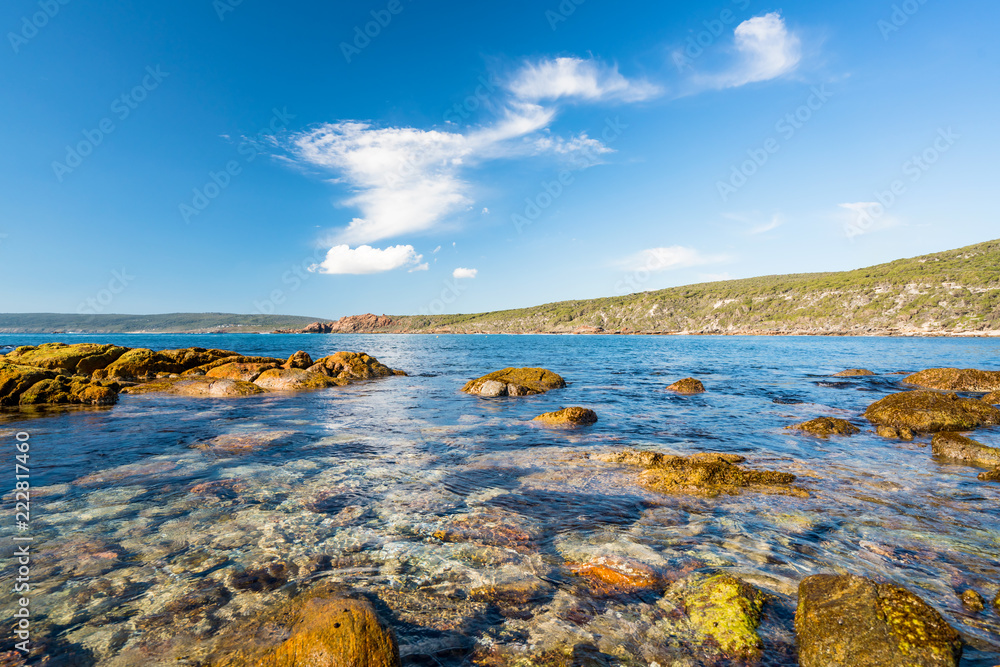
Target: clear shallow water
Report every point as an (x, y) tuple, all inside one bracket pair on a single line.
[(371, 476)]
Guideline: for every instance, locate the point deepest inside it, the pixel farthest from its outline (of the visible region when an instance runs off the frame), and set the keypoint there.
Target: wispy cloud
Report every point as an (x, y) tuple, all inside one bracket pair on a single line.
[(766, 227), (342, 259), (668, 258), (464, 273), (860, 218), (765, 49), (579, 79)]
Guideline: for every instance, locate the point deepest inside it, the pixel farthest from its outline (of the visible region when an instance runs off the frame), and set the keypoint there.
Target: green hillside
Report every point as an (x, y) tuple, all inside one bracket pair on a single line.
[(171, 323), (948, 292)]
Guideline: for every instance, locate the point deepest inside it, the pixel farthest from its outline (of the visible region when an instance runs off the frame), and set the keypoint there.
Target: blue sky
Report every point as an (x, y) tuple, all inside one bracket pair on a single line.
[(407, 157)]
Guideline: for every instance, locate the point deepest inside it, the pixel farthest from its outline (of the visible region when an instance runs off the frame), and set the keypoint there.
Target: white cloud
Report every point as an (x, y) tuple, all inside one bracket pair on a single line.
[(365, 260), (767, 226), (865, 217), (464, 273), (668, 259), (577, 78), (767, 50)]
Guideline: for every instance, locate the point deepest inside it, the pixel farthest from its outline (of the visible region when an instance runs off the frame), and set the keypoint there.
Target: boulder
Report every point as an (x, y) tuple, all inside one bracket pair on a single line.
[(352, 366), (853, 373), (298, 360), (973, 601), (295, 379), (15, 379), (707, 474), (727, 610), (960, 448), (993, 398), (825, 427), (76, 390), (138, 364), (568, 417), (84, 358), (687, 386), (192, 357), (238, 359), (516, 382), (245, 372), (330, 633), (845, 620), (956, 379), (905, 414)]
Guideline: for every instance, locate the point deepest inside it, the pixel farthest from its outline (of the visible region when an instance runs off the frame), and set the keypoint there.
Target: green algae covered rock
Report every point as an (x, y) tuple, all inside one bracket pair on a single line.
[(956, 379), (852, 621), (196, 387), (77, 390), (707, 474), (352, 366), (687, 386), (515, 382), (991, 476), (960, 448), (138, 364), (238, 359), (854, 373), (824, 427), (295, 379), (245, 372), (993, 398), (727, 610), (15, 379), (568, 417), (911, 412), (82, 358)]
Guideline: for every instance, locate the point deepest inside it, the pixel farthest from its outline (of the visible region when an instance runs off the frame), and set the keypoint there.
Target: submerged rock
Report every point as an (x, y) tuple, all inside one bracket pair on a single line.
[(991, 476), (826, 426), (727, 610), (853, 373), (852, 621), (295, 379), (613, 575), (973, 601), (960, 448), (330, 633), (687, 386), (905, 414), (703, 474), (956, 379), (568, 417), (515, 382), (244, 443)]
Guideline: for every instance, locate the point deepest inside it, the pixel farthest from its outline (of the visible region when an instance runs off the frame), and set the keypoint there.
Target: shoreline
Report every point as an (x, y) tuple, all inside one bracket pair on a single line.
[(441, 332)]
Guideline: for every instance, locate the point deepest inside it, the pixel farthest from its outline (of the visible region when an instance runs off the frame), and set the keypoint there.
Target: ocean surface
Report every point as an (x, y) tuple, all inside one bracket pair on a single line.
[(135, 555)]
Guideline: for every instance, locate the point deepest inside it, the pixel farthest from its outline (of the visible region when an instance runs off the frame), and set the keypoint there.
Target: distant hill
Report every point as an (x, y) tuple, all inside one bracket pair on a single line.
[(172, 323), (957, 291)]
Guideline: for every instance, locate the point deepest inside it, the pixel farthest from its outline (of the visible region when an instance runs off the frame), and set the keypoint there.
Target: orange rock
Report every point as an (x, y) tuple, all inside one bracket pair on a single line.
[(687, 386), (617, 574), (568, 417)]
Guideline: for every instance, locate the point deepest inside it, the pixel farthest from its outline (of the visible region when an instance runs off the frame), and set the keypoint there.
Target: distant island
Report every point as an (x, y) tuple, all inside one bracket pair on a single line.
[(949, 293)]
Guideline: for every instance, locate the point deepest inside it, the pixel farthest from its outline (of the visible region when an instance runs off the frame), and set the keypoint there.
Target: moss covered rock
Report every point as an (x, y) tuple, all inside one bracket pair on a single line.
[(82, 358), (192, 357), (727, 610), (852, 621), (331, 633), (15, 379), (568, 417), (826, 426), (515, 382), (295, 379), (687, 386), (197, 387), (903, 415), (973, 601), (300, 359), (960, 448), (956, 379), (991, 476), (238, 359), (245, 372), (993, 398), (702, 474), (352, 366), (853, 373), (76, 390), (138, 364)]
